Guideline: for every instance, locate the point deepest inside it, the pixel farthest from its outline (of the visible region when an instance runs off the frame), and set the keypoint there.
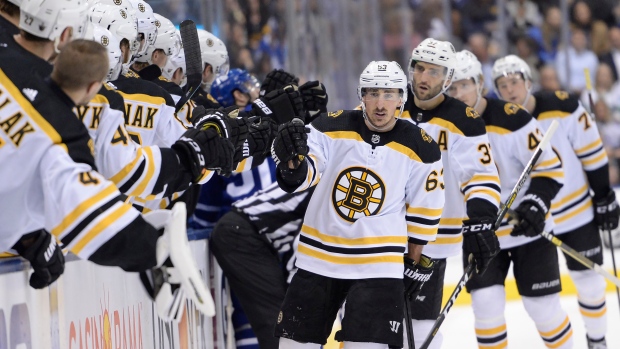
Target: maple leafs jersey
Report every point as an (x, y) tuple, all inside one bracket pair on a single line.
[(579, 144), (373, 192), (470, 175), (514, 136)]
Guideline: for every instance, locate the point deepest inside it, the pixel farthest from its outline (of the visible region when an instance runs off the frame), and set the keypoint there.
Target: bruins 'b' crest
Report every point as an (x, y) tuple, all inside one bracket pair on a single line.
[(210, 42), (471, 112), (358, 192), (425, 136), (511, 108), (123, 14), (562, 95), (334, 114), (105, 41), (118, 2)]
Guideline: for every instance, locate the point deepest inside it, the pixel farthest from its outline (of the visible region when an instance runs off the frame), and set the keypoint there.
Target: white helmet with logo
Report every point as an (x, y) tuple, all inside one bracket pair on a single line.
[(118, 21), (467, 67), (175, 62), (48, 19), (146, 23), (437, 52), (214, 53), (511, 64), (383, 74), (112, 45), (168, 40)]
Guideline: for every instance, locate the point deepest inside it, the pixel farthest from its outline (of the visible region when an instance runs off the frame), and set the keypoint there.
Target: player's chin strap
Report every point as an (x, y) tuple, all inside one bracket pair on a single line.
[(478, 95)]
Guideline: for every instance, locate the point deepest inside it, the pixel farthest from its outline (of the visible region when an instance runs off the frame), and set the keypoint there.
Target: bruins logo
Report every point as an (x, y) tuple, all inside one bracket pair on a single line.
[(511, 108), (280, 317), (334, 114), (141, 7), (210, 42), (471, 112), (358, 192), (425, 136), (157, 23), (105, 41), (118, 2), (123, 14), (562, 95)]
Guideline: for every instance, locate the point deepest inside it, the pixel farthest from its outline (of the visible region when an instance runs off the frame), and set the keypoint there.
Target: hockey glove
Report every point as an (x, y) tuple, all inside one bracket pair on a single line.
[(276, 79), (315, 99), (607, 212), (480, 241), (416, 274), (233, 128), (291, 143), (201, 150), (282, 105), (531, 216), (261, 137), (45, 256)]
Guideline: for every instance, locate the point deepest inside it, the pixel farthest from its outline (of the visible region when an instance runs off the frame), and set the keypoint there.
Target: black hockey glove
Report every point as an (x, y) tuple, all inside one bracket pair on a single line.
[(201, 150), (233, 128), (315, 99), (276, 79), (480, 241), (261, 137), (281, 105), (531, 216), (607, 212), (45, 256), (416, 274), (291, 143)]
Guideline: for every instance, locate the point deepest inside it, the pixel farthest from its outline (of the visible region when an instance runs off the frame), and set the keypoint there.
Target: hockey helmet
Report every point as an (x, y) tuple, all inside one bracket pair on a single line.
[(172, 64), (118, 21), (237, 79), (112, 45), (511, 64), (467, 67), (168, 40), (213, 52), (437, 52), (48, 19), (146, 24)]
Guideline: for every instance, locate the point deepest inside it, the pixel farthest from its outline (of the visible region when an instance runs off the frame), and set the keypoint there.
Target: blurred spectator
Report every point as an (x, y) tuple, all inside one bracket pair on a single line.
[(610, 134), (549, 78), (548, 34), (602, 10), (478, 44), (526, 49), (612, 58), (605, 88), (577, 57), (524, 14), (479, 16), (393, 40), (595, 30)]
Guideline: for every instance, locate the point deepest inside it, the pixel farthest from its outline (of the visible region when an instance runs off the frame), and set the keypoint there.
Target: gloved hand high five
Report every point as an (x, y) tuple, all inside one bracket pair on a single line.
[(607, 212), (45, 256), (276, 79), (480, 241), (234, 129), (200, 150), (290, 144), (281, 105), (315, 99)]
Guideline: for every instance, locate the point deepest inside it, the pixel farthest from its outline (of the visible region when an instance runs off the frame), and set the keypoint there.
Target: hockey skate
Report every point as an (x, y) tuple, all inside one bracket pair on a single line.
[(176, 277), (600, 344)]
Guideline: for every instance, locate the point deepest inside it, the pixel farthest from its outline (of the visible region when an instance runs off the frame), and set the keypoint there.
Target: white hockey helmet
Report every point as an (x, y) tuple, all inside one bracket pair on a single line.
[(15, 2), (511, 64), (437, 52), (146, 23), (467, 67), (383, 74), (118, 21), (112, 45), (214, 53), (48, 19), (168, 40), (175, 62)]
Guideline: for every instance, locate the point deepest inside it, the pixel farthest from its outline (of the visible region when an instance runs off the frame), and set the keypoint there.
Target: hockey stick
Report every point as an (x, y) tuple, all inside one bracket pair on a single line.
[(469, 269), (193, 61), (608, 231), (408, 324)]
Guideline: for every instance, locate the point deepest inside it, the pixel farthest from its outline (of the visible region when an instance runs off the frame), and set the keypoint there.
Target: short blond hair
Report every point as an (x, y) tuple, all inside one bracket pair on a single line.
[(80, 63)]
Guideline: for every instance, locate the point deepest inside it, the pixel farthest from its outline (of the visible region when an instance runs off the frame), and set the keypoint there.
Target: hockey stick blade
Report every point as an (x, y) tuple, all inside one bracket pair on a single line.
[(469, 269), (193, 61)]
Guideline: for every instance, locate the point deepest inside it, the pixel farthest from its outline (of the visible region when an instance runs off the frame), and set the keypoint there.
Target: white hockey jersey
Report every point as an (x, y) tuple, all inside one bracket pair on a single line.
[(469, 170), (373, 191), (514, 136), (580, 146)]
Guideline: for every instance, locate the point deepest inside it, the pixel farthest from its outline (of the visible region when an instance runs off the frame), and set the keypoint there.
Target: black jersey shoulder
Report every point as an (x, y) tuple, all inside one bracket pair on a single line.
[(14, 56), (205, 99), (558, 101), (131, 85), (404, 133), (33, 92), (501, 116), (8, 27), (115, 100), (451, 111), (169, 86)]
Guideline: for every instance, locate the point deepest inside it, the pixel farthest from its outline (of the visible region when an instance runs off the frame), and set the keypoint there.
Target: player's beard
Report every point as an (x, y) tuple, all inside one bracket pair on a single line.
[(428, 94)]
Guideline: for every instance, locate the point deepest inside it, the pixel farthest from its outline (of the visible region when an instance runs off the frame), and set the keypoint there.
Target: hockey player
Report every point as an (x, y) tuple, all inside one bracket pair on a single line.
[(514, 135), (47, 149), (578, 214), (214, 64), (471, 185), (379, 197)]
